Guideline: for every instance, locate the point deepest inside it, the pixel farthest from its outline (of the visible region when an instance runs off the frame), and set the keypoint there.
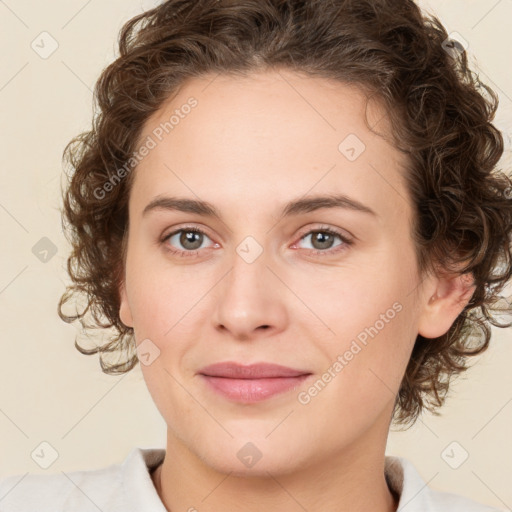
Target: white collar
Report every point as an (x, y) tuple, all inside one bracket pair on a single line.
[(401, 475)]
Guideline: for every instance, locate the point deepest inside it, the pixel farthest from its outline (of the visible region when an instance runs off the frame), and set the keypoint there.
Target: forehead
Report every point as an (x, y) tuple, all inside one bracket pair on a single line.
[(265, 101), (270, 134)]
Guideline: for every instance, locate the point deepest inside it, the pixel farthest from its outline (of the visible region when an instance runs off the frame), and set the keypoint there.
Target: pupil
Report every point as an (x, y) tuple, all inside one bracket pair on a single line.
[(191, 237), (325, 239)]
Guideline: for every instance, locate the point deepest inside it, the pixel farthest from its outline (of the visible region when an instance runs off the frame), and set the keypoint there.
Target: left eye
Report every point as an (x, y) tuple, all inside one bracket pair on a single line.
[(322, 239)]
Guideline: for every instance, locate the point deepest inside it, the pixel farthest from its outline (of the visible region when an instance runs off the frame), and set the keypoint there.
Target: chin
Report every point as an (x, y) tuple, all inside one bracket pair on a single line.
[(242, 457)]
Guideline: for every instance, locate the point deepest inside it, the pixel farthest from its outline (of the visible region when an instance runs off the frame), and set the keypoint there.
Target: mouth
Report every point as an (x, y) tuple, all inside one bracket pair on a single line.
[(251, 383)]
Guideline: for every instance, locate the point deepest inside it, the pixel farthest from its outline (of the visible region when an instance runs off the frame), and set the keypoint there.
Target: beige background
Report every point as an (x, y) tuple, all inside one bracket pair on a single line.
[(49, 392)]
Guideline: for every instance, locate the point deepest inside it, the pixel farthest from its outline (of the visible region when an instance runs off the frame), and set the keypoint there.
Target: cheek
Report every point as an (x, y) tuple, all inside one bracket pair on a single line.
[(346, 300), (362, 379), (167, 310), (367, 321), (159, 295)]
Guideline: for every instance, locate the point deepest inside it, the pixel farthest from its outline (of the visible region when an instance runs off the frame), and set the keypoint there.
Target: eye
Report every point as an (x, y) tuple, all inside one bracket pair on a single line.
[(323, 238), (191, 239)]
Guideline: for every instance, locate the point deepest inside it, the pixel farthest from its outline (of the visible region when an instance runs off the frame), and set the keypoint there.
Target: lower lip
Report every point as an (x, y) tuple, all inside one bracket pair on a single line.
[(252, 390)]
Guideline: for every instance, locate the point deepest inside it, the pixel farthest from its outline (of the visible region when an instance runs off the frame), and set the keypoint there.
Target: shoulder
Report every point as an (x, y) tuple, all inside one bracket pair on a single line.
[(75, 490), (454, 502), (415, 494), (80, 491)]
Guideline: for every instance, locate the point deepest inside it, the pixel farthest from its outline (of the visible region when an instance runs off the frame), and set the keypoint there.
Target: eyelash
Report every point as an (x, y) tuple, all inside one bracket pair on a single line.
[(188, 254)]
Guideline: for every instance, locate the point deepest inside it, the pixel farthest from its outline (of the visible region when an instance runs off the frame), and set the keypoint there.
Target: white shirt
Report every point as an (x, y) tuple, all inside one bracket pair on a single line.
[(127, 487)]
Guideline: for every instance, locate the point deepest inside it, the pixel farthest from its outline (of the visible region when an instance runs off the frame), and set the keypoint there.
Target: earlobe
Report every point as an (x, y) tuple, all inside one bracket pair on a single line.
[(125, 313), (443, 307)]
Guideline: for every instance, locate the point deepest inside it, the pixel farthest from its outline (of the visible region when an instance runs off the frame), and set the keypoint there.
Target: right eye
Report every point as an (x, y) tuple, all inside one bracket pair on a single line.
[(190, 238)]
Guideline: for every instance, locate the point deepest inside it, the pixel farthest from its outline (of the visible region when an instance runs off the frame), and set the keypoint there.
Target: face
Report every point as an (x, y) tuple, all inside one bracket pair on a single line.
[(322, 287)]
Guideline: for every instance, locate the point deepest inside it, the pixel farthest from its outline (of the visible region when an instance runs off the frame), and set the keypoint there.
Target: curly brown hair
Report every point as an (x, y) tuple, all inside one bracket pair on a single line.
[(439, 110)]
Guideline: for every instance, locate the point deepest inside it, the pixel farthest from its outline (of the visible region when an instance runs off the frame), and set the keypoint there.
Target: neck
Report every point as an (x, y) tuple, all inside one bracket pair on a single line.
[(346, 483)]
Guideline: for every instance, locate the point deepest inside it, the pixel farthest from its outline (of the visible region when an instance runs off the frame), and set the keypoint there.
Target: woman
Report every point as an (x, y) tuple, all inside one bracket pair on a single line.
[(290, 213)]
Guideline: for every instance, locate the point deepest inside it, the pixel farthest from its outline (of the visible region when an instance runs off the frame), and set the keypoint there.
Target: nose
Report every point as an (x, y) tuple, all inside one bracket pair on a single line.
[(250, 301)]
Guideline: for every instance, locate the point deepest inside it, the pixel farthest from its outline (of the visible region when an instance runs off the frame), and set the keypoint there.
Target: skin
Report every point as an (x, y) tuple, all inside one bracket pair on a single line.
[(251, 145)]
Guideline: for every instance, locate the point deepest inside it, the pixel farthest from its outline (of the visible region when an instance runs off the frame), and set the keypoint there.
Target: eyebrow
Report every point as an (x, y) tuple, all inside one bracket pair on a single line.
[(295, 207)]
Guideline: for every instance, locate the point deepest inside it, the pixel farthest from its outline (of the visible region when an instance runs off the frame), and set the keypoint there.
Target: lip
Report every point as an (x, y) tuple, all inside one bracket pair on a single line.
[(233, 370), (251, 383)]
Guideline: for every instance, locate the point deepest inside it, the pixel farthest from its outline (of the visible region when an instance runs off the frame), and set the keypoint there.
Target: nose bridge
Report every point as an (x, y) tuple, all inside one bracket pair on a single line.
[(249, 267), (247, 299)]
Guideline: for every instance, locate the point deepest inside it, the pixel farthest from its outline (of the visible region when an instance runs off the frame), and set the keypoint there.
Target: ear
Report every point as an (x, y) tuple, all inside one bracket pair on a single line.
[(443, 303), (125, 313)]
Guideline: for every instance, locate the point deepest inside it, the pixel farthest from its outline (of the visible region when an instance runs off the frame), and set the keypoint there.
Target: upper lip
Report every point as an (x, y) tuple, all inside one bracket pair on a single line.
[(235, 370)]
